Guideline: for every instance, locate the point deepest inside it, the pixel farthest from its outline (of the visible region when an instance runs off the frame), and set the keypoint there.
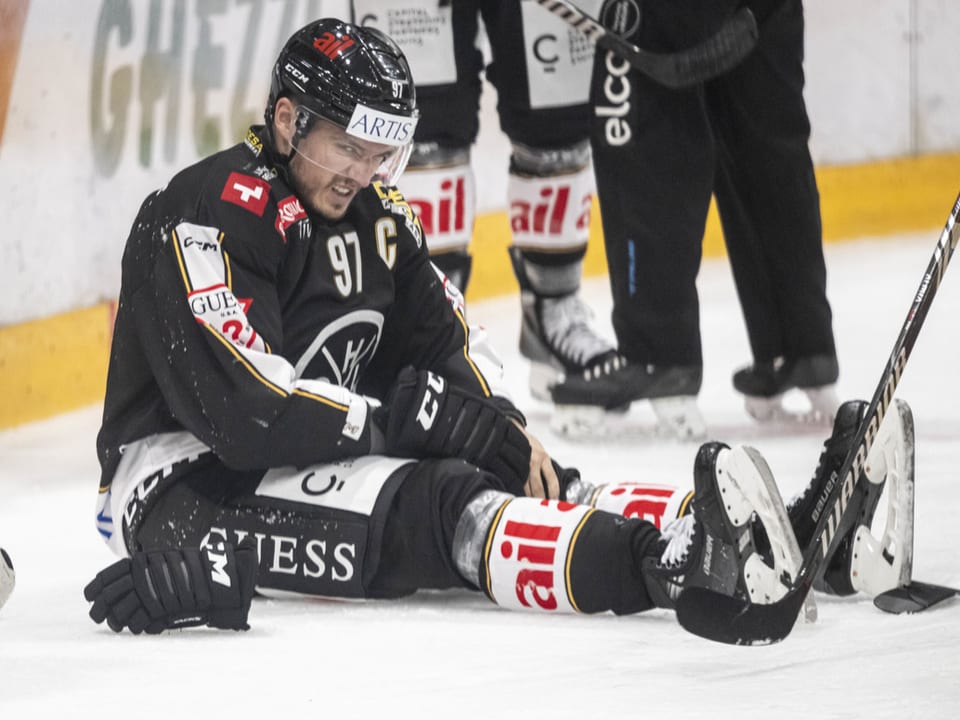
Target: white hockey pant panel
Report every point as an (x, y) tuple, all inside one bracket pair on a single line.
[(445, 198), (885, 562)]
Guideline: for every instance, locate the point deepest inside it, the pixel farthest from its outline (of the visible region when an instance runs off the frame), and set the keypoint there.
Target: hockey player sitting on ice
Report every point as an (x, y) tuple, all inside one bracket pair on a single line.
[(295, 405)]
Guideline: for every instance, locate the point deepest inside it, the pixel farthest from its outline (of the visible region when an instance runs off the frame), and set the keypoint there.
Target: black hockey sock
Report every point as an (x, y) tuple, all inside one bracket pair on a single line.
[(605, 565)]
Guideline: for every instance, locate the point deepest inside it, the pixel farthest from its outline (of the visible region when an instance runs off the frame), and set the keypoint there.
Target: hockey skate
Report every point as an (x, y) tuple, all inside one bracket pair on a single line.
[(714, 546), (863, 562), (764, 386), (556, 335), (557, 338), (614, 383)]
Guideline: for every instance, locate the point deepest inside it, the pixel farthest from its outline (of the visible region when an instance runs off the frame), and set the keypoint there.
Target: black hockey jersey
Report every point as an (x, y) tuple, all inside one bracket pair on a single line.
[(259, 327)]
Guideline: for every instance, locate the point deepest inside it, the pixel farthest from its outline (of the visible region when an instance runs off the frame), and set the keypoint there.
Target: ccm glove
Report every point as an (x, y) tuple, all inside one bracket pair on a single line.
[(168, 589), (426, 416)]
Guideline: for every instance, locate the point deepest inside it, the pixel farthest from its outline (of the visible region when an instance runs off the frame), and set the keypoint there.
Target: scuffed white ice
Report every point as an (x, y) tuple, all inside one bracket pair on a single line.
[(454, 654)]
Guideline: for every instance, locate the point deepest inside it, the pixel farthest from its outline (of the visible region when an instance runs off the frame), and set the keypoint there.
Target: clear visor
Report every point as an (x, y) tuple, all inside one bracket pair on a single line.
[(338, 151)]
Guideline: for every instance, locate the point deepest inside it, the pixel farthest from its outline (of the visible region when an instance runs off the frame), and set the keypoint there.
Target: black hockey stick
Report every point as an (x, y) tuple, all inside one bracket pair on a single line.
[(913, 597), (738, 622), (714, 56)]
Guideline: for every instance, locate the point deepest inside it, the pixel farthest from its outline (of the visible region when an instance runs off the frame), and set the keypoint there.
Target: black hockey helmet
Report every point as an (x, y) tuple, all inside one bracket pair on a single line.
[(353, 76)]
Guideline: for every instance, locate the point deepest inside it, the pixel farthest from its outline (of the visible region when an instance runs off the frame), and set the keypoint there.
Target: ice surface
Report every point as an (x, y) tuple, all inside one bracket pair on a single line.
[(456, 655)]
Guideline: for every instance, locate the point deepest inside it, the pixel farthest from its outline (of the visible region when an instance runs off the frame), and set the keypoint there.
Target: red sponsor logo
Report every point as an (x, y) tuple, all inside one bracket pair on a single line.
[(536, 548), (289, 211), (250, 193), (448, 213), (331, 45), (645, 504), (546, 217), (218, 306)]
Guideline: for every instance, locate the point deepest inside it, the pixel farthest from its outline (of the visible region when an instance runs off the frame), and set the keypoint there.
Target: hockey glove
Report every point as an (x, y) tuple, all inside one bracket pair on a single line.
[(166, 589), (425, 416)]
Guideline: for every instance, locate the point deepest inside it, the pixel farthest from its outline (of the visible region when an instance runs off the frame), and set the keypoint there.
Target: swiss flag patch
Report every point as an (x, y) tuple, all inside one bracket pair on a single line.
[(249, 192)]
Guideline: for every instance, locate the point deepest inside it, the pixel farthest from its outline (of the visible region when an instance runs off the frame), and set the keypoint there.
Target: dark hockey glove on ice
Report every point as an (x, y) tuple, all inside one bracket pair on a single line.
[(425, 416), (168, 589)]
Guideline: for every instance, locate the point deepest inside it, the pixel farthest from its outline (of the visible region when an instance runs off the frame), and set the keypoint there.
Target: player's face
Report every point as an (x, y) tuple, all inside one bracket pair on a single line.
[(329, 167)]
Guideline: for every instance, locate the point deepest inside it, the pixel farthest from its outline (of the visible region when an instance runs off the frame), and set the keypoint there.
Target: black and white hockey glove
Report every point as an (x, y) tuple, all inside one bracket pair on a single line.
[(425, 416), (168, 589)]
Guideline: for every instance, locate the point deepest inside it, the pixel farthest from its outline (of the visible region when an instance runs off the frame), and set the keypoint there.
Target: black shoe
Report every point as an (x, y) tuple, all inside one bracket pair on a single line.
[(775, 377)]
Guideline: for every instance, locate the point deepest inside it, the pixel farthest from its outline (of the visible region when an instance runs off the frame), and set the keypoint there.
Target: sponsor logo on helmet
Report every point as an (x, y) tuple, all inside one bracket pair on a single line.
[(331, 45), (381, 127)]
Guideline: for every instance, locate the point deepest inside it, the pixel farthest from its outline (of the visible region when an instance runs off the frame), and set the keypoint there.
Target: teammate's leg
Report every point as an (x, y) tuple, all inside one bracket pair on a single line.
[(542, 104)]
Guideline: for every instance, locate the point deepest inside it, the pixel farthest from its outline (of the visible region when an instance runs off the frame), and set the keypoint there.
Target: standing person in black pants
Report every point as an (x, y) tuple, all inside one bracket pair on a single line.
[(742, 136)]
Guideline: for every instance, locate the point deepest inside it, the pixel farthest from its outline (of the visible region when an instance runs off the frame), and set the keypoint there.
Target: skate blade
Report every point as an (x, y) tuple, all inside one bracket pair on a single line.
[(886, 562), (542, 377), (822, 404), (578, 421), (763, 497), (679, 417)]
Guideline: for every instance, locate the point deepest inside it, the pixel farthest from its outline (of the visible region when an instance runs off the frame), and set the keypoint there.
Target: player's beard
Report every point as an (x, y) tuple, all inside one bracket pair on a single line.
[(327, 193)]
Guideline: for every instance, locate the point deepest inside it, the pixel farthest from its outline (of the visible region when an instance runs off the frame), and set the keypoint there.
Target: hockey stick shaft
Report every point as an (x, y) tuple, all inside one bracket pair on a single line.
[(827, 532), (718, 617), (714, 56)]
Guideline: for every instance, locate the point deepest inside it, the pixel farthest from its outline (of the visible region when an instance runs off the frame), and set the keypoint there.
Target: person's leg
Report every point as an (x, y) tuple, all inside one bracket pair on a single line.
[(541, 71), (653, 160), (770, 210)]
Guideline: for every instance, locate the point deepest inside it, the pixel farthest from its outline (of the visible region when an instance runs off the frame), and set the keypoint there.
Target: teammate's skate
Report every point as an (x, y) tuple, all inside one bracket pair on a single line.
[(863, 562), (714, 546), (615, 383), (557, 338), (556, 334), (764, 386), (585, 377)]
